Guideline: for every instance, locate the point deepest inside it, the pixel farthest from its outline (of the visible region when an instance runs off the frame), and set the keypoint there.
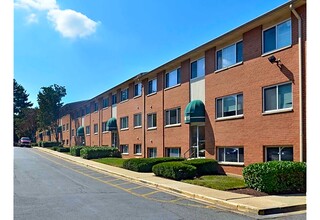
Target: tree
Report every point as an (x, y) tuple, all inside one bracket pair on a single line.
[(20, 98), (49, 101), (26, 124), (20, 103)]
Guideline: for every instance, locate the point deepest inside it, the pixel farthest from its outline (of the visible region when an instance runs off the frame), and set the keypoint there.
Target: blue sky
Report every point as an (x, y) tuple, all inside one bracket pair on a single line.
[(91, 46)]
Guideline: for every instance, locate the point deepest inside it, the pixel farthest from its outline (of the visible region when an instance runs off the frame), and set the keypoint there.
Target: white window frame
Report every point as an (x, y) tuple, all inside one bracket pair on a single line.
[(122, 149), (178, 119), (122, 121), (280, 48), (124, 91), (105, 101), (224, 155), (96, 106), (232, 116), (281, 109), (135, 149), (154, 153), (156, 85), (134, 120), (176, 72), (104, 127), (153, 122), (235, 53), (95, 128), (279, 152), (204, 71), (112, 99), (168, 151), (88, 128), (139, 90)]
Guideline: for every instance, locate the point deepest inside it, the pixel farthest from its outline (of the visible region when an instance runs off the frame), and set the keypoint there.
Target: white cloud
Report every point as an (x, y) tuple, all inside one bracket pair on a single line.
[(40, 5), (71, 24), (32, 18)]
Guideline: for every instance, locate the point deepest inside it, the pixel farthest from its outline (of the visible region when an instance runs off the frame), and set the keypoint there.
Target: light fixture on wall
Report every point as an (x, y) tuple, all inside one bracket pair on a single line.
[(273, 60)]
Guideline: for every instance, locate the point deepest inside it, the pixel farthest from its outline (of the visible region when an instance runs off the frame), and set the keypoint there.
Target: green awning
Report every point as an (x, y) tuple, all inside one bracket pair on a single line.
[(59, 129), (194, 112), (80, 131), (112, 124)]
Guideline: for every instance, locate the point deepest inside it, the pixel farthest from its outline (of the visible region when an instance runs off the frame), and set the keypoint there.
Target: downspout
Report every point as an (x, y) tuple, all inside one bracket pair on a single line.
[(300, 79)]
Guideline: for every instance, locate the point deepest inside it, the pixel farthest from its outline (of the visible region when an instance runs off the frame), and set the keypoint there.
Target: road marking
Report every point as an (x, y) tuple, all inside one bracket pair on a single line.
[(118, 186)]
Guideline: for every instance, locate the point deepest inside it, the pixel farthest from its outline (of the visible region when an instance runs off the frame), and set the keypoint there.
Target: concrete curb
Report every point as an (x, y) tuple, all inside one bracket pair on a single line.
[(214, 201)]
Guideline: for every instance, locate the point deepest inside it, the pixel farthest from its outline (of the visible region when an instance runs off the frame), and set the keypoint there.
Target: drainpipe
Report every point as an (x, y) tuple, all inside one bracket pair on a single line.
[(300, 78)]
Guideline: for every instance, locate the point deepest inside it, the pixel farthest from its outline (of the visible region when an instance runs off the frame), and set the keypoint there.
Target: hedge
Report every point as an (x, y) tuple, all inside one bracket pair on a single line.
[(276, 177), (175, 170), (99, 152), (146, 164), (49, 144), (63, 149), (75, 151), (204, 166)]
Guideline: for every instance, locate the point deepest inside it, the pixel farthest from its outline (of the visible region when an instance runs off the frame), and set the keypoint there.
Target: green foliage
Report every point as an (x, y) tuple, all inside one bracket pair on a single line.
[(99, 152), (146, 164), (20, 98), (49, 101), (175, 170), (63, 149), (204, 166), (116, 162), (276, 177), (34, 144), (75, 151), (49, 144)]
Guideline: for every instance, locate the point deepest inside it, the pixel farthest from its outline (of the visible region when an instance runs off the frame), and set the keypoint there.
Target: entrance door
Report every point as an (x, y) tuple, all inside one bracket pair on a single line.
[(197, 134), (114, 139)]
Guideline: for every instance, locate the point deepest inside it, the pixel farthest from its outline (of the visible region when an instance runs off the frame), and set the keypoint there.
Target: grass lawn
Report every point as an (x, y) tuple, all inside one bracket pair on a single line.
[(117, 162), (219, 182)]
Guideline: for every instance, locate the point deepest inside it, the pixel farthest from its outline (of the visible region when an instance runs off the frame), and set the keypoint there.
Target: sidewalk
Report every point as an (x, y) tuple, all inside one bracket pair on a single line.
[(263, 205)]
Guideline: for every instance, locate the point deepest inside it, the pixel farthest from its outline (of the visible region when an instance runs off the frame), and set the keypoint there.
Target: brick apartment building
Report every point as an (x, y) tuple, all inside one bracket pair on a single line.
[(239, 99)]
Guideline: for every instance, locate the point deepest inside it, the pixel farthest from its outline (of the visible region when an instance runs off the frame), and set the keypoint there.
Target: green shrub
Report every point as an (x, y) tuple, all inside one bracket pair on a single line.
[(146, 164), (50, 143), (175, 170), (204, 166), (99, 152), (63, 149), (276, 177), (34, 144), (75, 151)]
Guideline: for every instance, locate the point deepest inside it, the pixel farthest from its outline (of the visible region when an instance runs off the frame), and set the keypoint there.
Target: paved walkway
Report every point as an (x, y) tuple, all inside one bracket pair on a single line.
[(262, 205)]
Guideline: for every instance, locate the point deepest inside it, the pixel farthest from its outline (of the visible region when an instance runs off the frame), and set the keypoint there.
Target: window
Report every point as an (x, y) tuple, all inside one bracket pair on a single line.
[(96, 106), (137, 120), (105, 102), (104, 126), (63, 127), (124, 122), (124, 94), (283, 153), (173, 78), (152, 152), (88, 130), (138, 89), (72, 132), (95, 128), (67, 126), (137, 149), (173, 116), (152, 120), (229, 55), (87, 109), (230, 154), (197, 68), (229, 106), (277, 36), (173, 152), (124, 149), (277, 97), (114, 99), (152, 86)]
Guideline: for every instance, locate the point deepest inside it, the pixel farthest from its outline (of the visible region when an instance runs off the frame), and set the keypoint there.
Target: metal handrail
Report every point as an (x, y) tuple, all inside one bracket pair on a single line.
[(184, 155)]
